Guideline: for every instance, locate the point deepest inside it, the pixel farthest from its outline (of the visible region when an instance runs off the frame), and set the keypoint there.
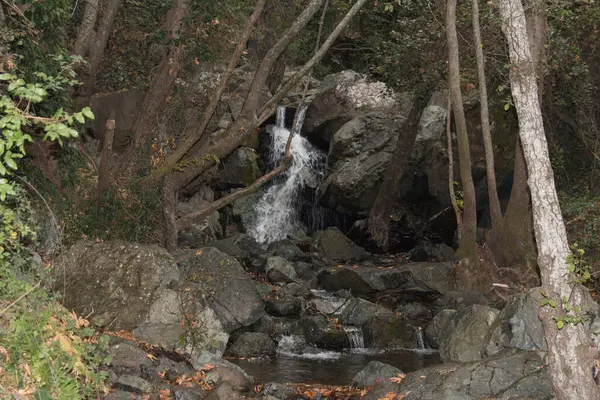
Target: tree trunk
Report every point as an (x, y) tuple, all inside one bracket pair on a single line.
[(99, 43), (162, 84), (200, 158), (570, 353), (379, 216), (86, 28), (266, 66), (495, 211), (169, 214), (457, 212), (467, 243), (104, 170), (537, 26)]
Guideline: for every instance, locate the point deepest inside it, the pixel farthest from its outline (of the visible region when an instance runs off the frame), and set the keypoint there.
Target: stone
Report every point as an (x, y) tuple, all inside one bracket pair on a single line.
[(438, 252), (204, 231), (414, 311), (224, 392), (318, 331), (114, 282), (287, 249), (308, 273), (252, 344), (374, 372), (442, 325), (280, 271), (208, 334), (459, 300), (245, 249), (231, 374), (187, 393), (279, 391), (467, 341), (132, 383), (162, 326), (119, 395), (518, 325), (243, 208), (241, 167), (295, 290), (127, 358), (386, 330), (358, 312), (222, 281), (512, 374), (361, 280), (284, 306), (334, 245)]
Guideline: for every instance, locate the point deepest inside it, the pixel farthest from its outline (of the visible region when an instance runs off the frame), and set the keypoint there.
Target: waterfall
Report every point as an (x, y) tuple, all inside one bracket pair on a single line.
[(419, 339), (277, 212), (355, 337)]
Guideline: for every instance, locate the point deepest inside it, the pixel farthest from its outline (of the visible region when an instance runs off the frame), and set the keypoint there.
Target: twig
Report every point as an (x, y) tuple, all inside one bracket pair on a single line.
[(21, 297)]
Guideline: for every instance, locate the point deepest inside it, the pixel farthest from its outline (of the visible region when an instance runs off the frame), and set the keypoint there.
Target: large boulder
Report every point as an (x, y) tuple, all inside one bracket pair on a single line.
[(114, 282), (252, 344), (518, 326), (366, 281), (204, 231), (241, 167), (374, 372), (513, 374), (280, 271), (385, 330), (442, 325), (222, 281), (468, 339), (335, 246), (245, 250), (434, 252), (318, 331)]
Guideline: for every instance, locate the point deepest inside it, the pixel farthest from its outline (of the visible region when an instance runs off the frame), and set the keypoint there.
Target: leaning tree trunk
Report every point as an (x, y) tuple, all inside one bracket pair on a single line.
[(571, 355), (495, 212), (467, 249), (379, 216), (86, 28)]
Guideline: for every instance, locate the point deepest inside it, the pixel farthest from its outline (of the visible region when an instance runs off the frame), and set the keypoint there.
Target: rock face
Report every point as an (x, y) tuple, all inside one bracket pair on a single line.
[(359, 154), (427, 251), (222, 281), (115, 281), (252, 344), (374, 372), (241, 167), (335, 246), (468, 339), (201, 232), (280, 270), (412, 277), (518, 326), (512, 374), (442, 325)]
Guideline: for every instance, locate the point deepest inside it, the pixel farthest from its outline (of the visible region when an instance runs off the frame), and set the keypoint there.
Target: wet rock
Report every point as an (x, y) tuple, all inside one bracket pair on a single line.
[(413, 277), (358, 312), (133, 383), (170, 369), (280, 271), (375, 372), (264, 325), (187, 393), (114, 282), (245, 250), (388, 331), (233, 375), (252, 344), (279, 391), (222, 281), (468, 340), (460, 300), (285, 306), (241, 167), (318, 331), (508, 375), (442, 325), (427, 251), (224, 392), (288, 250), (335, 246), (308, 273), (295, 289), (244, 208), (518, 325), (414, 311)]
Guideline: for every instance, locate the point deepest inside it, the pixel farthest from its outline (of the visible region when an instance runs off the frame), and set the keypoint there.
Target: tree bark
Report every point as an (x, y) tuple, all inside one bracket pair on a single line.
[(455, 207), (86, 28), (379, 216), (197, 134), (99, 43), (104, 170), (266, 66), (537, 26), (162, 84), (495, 211), (570, 353), (223, 144), (467, 243)]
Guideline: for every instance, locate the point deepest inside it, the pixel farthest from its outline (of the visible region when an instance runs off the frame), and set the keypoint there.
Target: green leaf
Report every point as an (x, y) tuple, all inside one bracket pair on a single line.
[(506, 107), (88, 113), (560, 324), (6, 77), (79, 117)]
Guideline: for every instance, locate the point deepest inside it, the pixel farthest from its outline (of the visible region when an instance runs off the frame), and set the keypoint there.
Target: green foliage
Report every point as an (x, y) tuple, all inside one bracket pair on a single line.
[(579, 270)]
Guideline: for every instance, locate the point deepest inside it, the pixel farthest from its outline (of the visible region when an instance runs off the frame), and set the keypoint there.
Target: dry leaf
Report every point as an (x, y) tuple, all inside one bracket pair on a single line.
[(199, 252), (398, 378), (151, 356), (165, 394), (208, 367)]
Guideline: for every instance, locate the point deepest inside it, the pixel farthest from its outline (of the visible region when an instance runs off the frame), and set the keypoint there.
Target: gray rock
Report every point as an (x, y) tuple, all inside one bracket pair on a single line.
[(114, 282), (518, 325), (318, 331), (162, 326), (288, 250), (386, 330), (442, 325), (204, 231), (279, 391), (280, 271), (224, 392), (119, 395), (187, 393), (414, 311), (241, 167), (208, 334), (127, 358), (245, 249), (222, 281), (374, 372), (295, 289), (243, 208), (459, 300), (468, 340), (335, 246), (132, 383), (358, 312), (438, 252), (308, 273), (507, 375), (232, 374), (252, 344), (413, 277), (284, 306)]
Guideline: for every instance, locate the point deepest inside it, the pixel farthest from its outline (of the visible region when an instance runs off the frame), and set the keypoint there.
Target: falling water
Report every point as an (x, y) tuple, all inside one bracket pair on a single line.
[(420, 340), (355, 337), (277, 212)]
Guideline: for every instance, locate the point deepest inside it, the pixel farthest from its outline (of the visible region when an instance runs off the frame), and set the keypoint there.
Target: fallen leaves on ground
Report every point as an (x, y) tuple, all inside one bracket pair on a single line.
[(398, 378)]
